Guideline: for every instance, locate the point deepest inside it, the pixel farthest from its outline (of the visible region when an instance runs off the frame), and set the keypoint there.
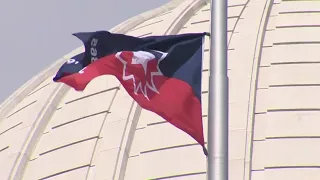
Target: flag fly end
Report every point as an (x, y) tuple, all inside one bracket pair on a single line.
[(205, 151)]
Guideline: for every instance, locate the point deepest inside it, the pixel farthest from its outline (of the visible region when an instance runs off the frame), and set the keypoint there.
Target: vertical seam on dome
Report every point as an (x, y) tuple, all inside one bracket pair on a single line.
[(254, 86), (35, 134), (100, 130), (235, 25), (184, 16), (128, 144)]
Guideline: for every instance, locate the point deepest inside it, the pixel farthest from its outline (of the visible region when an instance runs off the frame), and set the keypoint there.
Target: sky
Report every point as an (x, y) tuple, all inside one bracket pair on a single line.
[(35, 33)]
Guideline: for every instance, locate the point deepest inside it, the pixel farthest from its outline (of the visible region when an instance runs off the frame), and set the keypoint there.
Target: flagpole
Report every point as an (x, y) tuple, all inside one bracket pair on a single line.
[(218, 94)]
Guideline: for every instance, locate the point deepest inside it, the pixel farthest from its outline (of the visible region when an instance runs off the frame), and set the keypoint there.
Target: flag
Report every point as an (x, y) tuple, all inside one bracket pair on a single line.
[(161, 73)]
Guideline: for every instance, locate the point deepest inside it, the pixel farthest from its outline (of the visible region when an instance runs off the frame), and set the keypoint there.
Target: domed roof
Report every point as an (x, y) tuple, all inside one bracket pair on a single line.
[(49, 131)]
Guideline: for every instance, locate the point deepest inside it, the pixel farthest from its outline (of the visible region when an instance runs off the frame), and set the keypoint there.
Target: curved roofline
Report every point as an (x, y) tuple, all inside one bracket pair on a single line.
[(123, 27), (138, 19)]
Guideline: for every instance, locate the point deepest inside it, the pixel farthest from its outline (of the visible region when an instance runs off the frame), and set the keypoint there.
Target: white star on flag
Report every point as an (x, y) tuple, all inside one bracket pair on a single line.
[(142, 58)]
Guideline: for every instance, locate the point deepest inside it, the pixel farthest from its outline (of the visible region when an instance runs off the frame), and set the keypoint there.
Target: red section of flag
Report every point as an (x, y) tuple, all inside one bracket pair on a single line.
[(170, 98)]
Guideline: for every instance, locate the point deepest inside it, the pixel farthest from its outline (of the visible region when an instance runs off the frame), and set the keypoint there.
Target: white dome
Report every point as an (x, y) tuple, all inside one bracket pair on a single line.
[(49, 131)]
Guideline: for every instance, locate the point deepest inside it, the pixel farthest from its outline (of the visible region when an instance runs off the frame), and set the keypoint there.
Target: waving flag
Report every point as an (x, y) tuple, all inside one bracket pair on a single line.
[(161, 73)]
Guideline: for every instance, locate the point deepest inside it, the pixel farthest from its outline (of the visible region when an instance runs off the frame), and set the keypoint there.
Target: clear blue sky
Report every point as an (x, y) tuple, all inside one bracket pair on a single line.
[(35, 33)]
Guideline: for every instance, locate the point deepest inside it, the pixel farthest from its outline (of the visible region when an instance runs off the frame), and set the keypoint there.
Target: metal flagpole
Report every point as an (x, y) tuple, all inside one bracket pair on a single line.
[(218, 94)]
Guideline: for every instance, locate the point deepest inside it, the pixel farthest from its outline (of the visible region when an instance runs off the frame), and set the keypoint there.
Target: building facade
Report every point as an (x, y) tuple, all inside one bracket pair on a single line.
[(49, 131)]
